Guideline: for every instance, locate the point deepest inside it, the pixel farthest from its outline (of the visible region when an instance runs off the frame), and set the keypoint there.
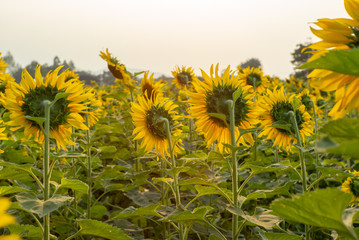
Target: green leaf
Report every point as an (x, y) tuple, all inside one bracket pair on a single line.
[(24, 167), (131, 212), (277, 168), (100, 229), (342, 129), (348, 148), (32, 204), (59, 96), (98, 211), (220, 116), (331, 172), (340, 61), (321, 208), (25, 231), (74, 184), (187, 217), (282, 190), (262, 217), (5, 190), (282, 125), (215, 157), (108, 149), (38, 120), (281, 236), (237, 94)]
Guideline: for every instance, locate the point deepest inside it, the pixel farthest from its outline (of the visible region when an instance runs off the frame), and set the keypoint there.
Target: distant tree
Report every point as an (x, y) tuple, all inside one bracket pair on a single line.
[(251, 62), (299, 57)]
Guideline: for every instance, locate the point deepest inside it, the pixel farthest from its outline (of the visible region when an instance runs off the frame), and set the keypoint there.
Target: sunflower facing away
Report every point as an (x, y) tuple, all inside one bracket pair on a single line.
[(117, 69), (351, 185), (273, 108), (210, 97), (253, 77), (183, 77), (146, 116), (26, 99), (150, 88), (338, 33)]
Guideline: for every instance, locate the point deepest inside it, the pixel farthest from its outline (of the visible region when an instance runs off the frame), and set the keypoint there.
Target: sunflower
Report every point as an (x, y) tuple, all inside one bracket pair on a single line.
[(338, 33), (209, 97), (146, 116), (273, 108), (25, 100), (151, 89), (3, 65), (183, 77), (351, 185), (94, 107), (253, 77), (6, 219), (69, 75), (117, 69)]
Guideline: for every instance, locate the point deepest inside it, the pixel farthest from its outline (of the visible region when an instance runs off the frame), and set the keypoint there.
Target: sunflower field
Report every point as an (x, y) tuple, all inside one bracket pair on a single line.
[(231, 154)]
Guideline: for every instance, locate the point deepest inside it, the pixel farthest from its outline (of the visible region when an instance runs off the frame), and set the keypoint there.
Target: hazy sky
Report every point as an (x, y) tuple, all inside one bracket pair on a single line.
[(157, 35)]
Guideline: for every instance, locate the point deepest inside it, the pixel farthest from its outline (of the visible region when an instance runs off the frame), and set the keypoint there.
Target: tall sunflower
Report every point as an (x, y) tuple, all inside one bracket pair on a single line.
[(209, 97), (273, 108), (117, 69), (338, 33), (351, 185), (183, 77), (146, 115), (25, 100), (150, 88), (254, 78)]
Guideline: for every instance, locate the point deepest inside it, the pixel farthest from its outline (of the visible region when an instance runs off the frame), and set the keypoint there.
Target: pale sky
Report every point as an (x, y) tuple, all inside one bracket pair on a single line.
[(157, 35)]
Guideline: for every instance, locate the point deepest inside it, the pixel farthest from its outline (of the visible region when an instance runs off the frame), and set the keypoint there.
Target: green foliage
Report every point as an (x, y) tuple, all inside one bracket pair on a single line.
[(32, 204), (340, 61), (100, 229), (323, 208)]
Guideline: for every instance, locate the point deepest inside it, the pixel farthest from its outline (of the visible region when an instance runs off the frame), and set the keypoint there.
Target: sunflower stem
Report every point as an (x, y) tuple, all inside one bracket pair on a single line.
[(302, 162), (231, 108), (46, 166), (137, 161), (89, 168), (175, 175), (316, 133)]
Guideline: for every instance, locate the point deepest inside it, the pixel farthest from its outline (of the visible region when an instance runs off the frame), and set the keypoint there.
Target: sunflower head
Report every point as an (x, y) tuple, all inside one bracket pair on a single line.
[(151, 89), (3, 65), (253, 77), (273, 111), (351, 185), (183, 77), (148, 118), (25, 101), (210, 98), (117, 69)]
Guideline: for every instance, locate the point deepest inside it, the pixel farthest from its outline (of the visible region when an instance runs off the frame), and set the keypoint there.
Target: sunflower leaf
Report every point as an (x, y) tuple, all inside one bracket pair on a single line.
[(74, 184), (219, 116), (237, 94), (282, 125), (100, 229), (340, 61), (59, 96), (38, 120), (32, 204), (322, 208)]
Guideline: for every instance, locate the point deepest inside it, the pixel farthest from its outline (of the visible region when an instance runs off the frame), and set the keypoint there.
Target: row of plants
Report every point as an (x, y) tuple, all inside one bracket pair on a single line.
[(233, 154)]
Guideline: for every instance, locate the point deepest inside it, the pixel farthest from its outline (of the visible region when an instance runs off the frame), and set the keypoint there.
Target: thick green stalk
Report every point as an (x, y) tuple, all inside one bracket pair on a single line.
[(175, 175), (231, 107), (89, 168), (302, 162), (46, 166)]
